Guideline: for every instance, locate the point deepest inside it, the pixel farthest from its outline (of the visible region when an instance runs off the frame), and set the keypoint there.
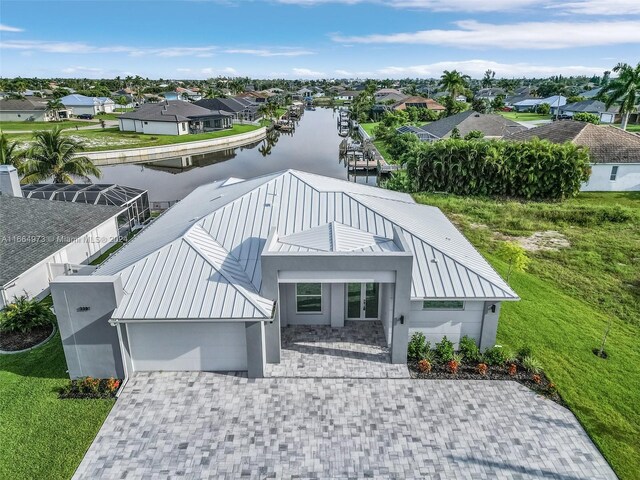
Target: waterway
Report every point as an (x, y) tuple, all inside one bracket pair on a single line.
[(312, 147)]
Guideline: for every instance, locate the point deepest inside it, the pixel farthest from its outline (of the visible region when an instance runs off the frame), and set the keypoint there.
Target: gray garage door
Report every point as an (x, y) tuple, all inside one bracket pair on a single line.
[(188, 346)]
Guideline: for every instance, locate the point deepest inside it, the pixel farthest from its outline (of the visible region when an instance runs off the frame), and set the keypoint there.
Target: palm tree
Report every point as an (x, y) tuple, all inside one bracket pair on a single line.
[(625, 89), (9, 153), (55, 156), (454, 82), (55, 105)]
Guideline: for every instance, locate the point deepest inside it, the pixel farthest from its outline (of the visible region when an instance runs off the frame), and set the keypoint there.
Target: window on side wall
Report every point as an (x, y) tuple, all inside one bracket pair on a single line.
[(184, 127), (308, 297), (614, 173), (442, 305)]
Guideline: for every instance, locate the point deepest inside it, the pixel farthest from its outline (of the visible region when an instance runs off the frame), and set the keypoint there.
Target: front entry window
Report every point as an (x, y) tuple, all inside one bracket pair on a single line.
[(362, 300), (309, 297)]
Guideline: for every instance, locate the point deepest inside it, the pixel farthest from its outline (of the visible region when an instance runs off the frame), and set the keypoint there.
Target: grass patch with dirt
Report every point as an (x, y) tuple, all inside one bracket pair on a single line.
[(568, 297)]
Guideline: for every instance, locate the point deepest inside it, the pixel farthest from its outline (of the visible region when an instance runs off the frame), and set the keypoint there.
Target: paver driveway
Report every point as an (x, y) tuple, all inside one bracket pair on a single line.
[(207, 425)]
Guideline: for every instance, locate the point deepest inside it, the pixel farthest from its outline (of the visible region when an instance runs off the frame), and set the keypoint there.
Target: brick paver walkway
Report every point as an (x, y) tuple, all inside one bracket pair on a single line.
[(224, 426)]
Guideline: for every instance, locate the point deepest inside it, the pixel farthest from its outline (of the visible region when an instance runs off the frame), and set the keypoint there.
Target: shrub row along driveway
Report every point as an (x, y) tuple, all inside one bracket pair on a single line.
[(207, 425)]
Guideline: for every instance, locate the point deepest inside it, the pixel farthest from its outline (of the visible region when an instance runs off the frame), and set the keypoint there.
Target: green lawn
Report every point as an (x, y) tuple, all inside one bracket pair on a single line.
[(631, 127), (369, 127), (524, 116), (42, 436), (8, 126), (111, 138), (568, 296)]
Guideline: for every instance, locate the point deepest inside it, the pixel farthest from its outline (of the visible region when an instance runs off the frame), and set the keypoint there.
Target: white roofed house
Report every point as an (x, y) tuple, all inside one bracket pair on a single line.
[(213, 282), (83, 105)]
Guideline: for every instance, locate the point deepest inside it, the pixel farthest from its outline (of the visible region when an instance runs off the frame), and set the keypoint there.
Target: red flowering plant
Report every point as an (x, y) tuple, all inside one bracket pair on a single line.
[(424, 366), (112, 384), (537, 378), (482, 369), (513, 369), (454, 363)]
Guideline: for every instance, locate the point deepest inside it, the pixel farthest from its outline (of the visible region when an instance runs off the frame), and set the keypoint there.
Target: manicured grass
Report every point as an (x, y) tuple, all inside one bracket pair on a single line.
[(369, 127), (568, 297), (42, 436), (631, 127), (524, 116), (111, 138), (18, 126)]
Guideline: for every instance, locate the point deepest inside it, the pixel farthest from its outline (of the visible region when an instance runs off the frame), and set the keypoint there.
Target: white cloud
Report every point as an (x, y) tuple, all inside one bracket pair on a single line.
[(183, 51), (600, 7), (306, 72), (527, 35), (7, 28), (91, 71), (476, 68), (265, 52)]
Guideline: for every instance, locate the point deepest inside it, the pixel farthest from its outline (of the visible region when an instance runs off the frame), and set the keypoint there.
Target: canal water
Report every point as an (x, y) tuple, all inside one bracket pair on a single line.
[(312, 147)]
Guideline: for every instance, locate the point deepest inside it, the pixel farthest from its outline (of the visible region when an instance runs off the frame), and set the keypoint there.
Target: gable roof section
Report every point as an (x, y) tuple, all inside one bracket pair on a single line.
[(587, 106), (490, 125), (171, 111), (606, 144), (17, 105)]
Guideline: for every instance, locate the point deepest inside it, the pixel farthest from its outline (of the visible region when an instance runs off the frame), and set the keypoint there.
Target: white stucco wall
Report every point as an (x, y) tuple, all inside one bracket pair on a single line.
[(35, 281), (127, 125), (164, 128), (34, 116), (80, 110), (435, 324), (386, 309), (627, 178)]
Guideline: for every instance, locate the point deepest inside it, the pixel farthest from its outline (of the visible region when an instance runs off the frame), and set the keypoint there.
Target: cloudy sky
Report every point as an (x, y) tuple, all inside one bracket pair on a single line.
[(316, 38)]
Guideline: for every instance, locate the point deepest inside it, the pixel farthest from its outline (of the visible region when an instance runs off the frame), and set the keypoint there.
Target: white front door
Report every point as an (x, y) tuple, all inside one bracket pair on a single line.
[(363, 301)]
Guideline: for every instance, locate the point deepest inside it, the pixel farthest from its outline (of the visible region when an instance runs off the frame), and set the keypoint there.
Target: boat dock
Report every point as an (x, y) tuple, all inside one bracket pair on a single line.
[(364, 157)]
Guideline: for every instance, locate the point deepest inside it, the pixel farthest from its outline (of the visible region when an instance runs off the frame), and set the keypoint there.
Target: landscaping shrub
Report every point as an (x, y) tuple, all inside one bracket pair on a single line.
[(454, 364), (418, 347), (469, 349), (535, 169), (531, 364), (513, 369), (25, 314), (444, 350), (424, 366), (494, 356), (525, 351), (89, 387)]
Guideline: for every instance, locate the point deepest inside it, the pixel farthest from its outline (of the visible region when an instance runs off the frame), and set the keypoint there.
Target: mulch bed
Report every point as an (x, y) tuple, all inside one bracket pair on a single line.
[(14, 341), (469, 372)]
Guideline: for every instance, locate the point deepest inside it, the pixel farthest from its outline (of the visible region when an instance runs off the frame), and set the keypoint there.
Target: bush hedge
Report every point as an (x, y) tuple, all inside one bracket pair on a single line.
[(535, 169)]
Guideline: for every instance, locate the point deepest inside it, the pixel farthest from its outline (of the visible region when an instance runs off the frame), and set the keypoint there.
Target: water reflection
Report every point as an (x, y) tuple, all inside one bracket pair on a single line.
[(313, 146)]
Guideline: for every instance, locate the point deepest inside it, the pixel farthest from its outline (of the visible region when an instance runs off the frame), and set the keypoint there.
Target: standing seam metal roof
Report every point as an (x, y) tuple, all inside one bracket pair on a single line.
[(235, 219)]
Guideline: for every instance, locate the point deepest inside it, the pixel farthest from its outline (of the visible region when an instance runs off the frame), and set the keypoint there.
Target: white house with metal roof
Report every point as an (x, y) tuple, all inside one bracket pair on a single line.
[(83, 105), (210, 284)]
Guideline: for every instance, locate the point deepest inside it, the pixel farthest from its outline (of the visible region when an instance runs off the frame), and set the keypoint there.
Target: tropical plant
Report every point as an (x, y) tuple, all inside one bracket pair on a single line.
[(424, 366), (512, 370), (587, 117), (9, 153), (482, 369), (454, 82), (487, 80), (531, 364), (624, 89), (444, 349), (122, 101), (498, 102), (469, 349), (494, 356), (54, 156), (454, 363), (55, 105), (474, 135), (515, 255), (24, 314), (418, 346), (543, 109)]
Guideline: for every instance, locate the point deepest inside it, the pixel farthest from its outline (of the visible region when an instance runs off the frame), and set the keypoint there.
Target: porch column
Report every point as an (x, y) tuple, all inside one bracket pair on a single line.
[(254, 332), (337, 305), (272, 337), (489, 325)]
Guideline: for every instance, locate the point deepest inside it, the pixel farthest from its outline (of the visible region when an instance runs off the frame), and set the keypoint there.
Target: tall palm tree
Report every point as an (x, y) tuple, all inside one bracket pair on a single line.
[(55, 105), (454, 82), (9, 153), (625, 89), (55, 156)]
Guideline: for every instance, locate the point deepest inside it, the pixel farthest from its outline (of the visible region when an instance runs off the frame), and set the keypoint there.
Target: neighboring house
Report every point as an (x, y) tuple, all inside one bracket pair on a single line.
[(390, 98), (555, 102), (24, 111), (596, 107), (240, 108), (347, 95), (134, 201), (171, 96), (43, 239), (259, 97), (593, 93), (614, 153), (489, 93), (418, 102), (491, 126), (192, 95), (211, 283), (383, 92), (442, 95), (174, 117), (305, 93), (83, 105)]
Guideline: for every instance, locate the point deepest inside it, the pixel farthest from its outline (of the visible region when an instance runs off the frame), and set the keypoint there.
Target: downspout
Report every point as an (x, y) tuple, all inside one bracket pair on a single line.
[(124, 361)]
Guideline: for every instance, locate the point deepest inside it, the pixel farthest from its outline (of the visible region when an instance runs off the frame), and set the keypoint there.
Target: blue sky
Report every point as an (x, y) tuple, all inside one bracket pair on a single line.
[(316, 38)]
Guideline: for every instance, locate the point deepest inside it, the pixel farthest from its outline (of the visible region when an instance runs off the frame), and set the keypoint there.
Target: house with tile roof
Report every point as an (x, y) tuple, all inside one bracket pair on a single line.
[(614, 153), (211, 283)]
